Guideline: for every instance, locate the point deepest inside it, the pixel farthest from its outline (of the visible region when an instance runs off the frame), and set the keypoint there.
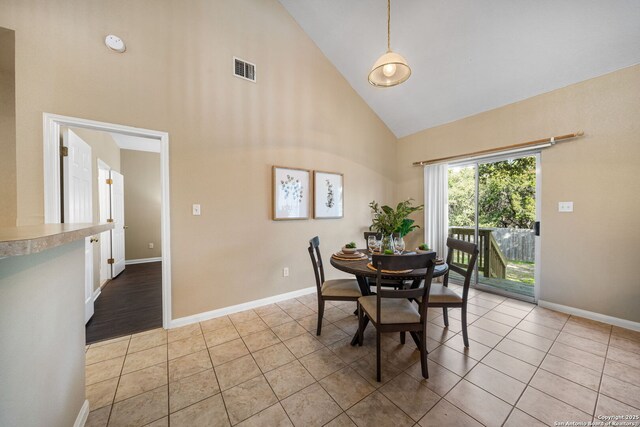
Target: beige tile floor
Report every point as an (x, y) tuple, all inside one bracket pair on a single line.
[(265, 367)]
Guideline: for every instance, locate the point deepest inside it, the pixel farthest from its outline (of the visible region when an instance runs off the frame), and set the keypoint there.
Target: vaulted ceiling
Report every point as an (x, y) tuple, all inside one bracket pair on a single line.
[(469, 56)]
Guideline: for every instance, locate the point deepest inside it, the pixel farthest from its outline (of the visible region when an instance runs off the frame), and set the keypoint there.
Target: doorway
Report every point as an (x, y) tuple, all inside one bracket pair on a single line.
[(495, 203), (52, 182)]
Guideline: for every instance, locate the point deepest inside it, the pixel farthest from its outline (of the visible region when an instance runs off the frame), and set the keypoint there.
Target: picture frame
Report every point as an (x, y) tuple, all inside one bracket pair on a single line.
[(291, 190), (328, 195)]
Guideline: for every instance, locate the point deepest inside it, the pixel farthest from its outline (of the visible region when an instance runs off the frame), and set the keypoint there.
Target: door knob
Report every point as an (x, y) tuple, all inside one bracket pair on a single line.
[(125, 226)]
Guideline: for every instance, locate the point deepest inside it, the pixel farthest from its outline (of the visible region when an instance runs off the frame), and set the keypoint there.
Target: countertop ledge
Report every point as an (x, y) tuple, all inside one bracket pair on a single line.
[(31, 239)]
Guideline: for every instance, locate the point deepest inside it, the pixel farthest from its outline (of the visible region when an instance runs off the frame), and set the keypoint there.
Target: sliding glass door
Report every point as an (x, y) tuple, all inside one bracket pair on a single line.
[(494, 204)]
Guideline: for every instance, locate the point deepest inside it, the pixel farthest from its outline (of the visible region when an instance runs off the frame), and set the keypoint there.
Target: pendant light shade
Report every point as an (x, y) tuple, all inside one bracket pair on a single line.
[(391, 68)]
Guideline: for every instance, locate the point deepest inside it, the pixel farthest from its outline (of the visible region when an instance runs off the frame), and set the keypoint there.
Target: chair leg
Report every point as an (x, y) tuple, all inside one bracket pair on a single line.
[(378, 368), (320, 314), (360, 325), (445, 315), (402, 337), (423, 355), (465, 335)]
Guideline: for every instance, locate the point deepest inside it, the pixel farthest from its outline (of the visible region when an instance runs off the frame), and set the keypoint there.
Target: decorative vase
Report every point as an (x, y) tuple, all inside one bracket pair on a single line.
[(387, 243), (398, 244)]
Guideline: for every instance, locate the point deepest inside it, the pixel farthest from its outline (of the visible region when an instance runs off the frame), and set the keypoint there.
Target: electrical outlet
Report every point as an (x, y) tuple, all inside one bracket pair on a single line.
[(196, 210), (565, 206), (150, 245), (285, 272)]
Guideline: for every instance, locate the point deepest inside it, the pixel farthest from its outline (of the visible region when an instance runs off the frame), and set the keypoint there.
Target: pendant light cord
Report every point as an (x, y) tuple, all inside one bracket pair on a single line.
[(388, 25)]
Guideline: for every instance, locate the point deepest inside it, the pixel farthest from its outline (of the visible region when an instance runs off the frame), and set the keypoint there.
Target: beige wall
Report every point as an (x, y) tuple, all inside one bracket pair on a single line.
[(103, 147), (42, 334), (588, 256), (225, 133), (7, 130), (142, 203)]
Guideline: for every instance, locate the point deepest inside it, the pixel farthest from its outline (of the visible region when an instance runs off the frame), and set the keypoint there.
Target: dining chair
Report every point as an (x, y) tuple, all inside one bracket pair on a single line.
[(442, 296), (385, 282), (394, 310), (333, 289)]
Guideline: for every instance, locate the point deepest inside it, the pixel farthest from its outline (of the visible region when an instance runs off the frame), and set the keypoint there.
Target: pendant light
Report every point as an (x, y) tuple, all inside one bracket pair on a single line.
[(390, 69)]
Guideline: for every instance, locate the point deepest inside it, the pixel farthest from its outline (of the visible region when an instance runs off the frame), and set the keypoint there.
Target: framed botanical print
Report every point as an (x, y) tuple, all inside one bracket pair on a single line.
[(328, 199), (291, 193)]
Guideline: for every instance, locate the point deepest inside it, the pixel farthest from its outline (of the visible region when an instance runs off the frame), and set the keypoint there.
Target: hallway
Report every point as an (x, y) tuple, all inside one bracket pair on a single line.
[(130, 303)]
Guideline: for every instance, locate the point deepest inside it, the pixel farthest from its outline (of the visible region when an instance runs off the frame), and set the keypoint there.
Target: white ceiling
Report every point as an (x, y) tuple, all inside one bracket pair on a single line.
[(138, 143), (469, 56)]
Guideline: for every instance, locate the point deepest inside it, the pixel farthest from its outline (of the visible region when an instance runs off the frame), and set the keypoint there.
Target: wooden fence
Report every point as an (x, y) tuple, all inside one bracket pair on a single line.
[(516, 243)]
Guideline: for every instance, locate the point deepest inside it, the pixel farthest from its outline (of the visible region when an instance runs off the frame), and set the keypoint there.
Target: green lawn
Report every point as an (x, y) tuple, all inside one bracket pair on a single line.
[(520, 271)]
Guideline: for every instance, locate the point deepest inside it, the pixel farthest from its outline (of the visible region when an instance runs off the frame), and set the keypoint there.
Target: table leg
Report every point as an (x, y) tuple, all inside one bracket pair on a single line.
[(364, 288), (364, 285), (356, 337)]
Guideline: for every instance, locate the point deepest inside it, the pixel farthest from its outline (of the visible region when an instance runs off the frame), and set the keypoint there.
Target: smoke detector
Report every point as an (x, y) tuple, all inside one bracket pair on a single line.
[(115, 43)]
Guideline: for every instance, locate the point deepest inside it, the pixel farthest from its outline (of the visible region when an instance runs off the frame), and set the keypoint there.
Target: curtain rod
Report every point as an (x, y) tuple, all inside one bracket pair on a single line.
[(552, 140)]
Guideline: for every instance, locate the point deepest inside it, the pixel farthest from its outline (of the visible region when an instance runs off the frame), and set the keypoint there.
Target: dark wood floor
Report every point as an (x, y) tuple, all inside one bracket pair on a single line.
[(130, 303)]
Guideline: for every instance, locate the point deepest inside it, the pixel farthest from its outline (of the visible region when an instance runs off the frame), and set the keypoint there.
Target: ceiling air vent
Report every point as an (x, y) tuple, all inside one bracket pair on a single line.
[(244, 70)]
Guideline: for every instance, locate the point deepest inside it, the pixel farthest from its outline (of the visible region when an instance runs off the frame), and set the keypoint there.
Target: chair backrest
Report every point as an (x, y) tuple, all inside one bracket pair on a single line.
[(471, 250), (371, 233), (404, 262), (316, 260)]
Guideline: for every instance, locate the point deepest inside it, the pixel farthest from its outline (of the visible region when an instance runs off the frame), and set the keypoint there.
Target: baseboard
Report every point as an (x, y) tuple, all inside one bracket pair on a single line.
[(183, 321), (96, 294), (623, 323), (142, 260), (81, 419)]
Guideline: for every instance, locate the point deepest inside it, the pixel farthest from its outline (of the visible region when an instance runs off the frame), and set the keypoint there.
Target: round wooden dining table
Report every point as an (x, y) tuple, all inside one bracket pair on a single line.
[(360, 269)]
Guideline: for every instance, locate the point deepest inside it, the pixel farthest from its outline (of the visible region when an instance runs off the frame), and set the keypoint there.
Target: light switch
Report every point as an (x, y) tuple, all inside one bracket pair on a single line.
[(565, 206), (196, 210)]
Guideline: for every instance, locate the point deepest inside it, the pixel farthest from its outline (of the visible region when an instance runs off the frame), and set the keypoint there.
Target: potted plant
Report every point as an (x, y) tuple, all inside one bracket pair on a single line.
[(387, 220), (349, 248), (423, 248)]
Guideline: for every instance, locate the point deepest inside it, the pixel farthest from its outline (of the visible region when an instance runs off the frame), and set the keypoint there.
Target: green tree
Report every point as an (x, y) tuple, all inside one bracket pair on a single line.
[(507, 194), (461, 197)]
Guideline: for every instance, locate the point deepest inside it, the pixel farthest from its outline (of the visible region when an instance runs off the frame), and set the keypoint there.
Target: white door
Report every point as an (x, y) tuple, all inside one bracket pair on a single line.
[(77, 206), (104, 199), (117, 212)]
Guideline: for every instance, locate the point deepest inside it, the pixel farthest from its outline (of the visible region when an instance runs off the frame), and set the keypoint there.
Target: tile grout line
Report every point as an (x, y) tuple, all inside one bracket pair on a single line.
[(441, 344), (296, 358), (188, 376), (118, 383), (464, 377), (494, 348), (540, 367), (593, 417), (315, 380), (344, 411), (224, 402), (527, 385), (194, 374), (279, 402)]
